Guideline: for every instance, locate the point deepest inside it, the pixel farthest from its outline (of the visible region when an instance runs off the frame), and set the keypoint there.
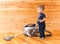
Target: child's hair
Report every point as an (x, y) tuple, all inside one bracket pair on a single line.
[(42, 6)]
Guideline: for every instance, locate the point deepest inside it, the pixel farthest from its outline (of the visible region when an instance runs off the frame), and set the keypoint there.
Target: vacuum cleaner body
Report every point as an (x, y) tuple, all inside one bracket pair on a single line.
[(31, 28)]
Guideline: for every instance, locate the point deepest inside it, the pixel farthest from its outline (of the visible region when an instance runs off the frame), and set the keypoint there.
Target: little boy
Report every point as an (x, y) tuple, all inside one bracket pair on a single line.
[(41, 21)]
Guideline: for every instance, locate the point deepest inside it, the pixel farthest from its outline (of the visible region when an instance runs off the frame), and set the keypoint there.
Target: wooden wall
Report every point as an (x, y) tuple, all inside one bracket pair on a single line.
[(14, 14)]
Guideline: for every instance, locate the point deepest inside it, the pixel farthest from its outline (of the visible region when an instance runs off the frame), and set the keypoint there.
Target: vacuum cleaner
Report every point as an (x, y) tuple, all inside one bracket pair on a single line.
[(8, 38)]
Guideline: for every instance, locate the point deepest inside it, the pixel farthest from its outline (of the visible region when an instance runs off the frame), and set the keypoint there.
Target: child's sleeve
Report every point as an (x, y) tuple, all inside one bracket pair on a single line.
[(44, 16)]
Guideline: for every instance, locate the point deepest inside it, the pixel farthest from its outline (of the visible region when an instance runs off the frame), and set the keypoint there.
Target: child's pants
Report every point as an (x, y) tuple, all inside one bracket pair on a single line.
[(41, 29)]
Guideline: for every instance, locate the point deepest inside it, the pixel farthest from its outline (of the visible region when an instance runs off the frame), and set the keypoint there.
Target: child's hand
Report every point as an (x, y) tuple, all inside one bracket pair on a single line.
[(41, 20)]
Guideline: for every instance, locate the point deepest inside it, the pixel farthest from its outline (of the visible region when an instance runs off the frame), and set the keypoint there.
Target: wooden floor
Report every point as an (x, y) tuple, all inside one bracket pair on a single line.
[(21, 39), (15, 14)]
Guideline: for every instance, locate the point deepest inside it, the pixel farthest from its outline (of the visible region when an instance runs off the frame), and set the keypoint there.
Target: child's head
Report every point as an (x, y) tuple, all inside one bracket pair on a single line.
[(40, 8)]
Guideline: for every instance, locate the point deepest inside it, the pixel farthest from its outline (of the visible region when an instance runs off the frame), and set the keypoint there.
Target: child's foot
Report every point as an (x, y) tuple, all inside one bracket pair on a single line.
[(43, 38)]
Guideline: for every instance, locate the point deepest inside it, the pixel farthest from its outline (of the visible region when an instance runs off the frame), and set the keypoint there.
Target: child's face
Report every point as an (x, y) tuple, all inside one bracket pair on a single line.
[(39, 9)]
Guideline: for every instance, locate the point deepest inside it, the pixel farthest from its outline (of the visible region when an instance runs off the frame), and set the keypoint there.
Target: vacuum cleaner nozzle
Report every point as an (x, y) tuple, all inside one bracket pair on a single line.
[(8, 38)]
